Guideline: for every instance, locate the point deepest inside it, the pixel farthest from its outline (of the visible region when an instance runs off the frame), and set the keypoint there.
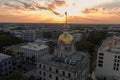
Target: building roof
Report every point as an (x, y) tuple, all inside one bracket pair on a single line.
[(111, 44), (71, 62), (34, 46), (3, 56)]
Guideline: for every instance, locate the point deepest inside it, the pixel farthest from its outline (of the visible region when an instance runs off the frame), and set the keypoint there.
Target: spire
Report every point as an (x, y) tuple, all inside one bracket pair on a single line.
[(66, 19), (66, 24)]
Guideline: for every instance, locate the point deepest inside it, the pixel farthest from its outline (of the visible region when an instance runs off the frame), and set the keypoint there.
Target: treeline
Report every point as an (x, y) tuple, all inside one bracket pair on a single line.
[(92, 42), (16, 76), (6, 39)]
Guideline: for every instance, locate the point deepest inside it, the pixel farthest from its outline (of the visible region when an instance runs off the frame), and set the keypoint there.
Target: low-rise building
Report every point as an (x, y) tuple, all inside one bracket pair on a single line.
[(31, 35), (77, 37), (6, 64), (34, 50)]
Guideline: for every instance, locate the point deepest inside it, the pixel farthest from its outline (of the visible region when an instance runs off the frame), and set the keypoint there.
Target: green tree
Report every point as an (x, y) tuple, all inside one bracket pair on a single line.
[(14, 76), (7, 39), (84, 46)]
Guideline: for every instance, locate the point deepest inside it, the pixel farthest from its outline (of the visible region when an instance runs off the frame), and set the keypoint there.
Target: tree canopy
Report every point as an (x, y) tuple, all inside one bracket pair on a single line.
[(6, 39), (91, 42)]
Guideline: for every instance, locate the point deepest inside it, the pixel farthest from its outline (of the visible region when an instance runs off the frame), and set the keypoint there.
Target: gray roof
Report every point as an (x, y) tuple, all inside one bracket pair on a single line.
[(4, 56), (71, 62)]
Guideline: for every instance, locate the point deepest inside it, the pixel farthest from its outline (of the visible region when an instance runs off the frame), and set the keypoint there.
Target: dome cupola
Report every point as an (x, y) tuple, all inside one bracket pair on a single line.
[(66, 38)]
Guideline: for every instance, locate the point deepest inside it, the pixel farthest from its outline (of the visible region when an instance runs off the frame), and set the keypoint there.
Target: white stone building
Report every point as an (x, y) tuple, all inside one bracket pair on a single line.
[(108, 59), (34, 50), (6, 64)]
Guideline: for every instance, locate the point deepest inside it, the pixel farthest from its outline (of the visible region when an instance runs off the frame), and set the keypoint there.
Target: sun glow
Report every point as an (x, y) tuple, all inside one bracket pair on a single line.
[(54, 10)]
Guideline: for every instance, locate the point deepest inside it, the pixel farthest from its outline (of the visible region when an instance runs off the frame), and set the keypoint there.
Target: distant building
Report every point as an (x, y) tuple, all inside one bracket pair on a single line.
[(16, 33), (6, 66), (33, 50), (55, 34), (77, 37), (108, 59), (65, 63), (31, 35), (41, 41)]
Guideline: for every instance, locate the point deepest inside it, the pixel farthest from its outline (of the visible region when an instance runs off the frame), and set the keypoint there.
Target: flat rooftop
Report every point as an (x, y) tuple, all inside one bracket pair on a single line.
[(15, 47), (111, 45), (71, 62), (110, 42), (34, 46), (4, 56)]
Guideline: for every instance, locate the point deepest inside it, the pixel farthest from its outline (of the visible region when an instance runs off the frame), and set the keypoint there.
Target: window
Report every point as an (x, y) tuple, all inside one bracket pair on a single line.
[(117, 65), (63, 73), (50, 75), (69, 75), (57, 71), (100, 57), (100, 61), (118, 60), (100, 65), (101, 54), (40, 65), (56, 78), (50, 69), (118, 57), (9, 62), (114, 68), (117, 69), (114, 64), (44, 66), (115, 56), (44, 74), (5, 63), (39, 72)]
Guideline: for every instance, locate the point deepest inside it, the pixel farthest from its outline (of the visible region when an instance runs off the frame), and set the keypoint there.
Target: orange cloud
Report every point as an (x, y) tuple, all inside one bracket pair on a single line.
[(79, 11), (103, 11)]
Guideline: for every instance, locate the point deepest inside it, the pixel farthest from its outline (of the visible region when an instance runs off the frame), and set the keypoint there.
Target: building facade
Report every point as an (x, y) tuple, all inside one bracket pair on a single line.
[(108, 59), (31, 35), (6, 64), (33, 50)]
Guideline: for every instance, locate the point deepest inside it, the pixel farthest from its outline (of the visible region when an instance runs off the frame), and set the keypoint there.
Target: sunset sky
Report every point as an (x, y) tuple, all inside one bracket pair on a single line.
[(52, 11)]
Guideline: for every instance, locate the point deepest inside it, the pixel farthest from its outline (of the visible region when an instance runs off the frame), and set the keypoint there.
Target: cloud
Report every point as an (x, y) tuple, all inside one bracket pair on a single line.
[(112, 4), (26, 5), (20, 5), (59, 2), (49, 7), (24, 19), (11, 5), (112, 11), (89, 10), (79, 19), (94, 20)]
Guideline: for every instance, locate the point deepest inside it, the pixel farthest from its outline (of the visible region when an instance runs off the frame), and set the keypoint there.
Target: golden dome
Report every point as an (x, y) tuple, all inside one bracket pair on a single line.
[(66, 38)]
